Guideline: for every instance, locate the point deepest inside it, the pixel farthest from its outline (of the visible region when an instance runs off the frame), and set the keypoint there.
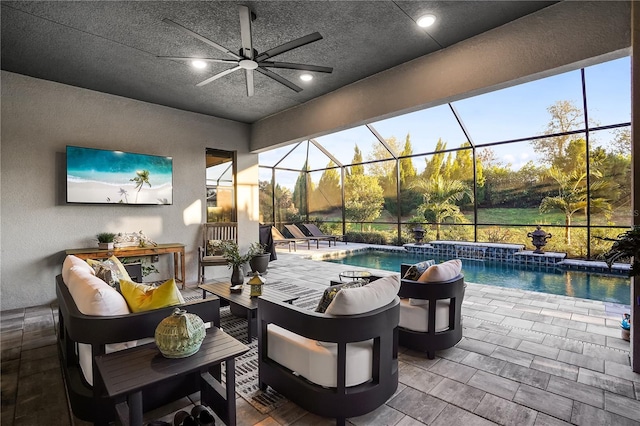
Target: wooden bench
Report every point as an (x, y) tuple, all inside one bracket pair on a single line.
[(224, 231)]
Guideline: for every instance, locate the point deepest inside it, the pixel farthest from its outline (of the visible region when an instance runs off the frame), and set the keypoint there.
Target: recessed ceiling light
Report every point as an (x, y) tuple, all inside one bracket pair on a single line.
[(199, 64), (426, 20), (306, 77)]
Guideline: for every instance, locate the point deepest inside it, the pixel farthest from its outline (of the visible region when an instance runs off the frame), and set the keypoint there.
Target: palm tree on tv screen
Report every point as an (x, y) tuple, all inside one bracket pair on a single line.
[(142, 177)]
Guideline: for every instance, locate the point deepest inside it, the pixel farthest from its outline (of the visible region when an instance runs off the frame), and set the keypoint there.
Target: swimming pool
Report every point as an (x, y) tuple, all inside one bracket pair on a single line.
[(608, 288)]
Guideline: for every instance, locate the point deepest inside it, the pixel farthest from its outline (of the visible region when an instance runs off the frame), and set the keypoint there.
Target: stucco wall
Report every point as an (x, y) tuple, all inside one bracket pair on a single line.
[(561, 37), (39, 118)]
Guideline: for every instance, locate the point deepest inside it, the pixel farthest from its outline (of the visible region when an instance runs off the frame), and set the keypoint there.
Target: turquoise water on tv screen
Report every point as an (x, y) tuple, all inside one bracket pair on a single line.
[(608, 288)]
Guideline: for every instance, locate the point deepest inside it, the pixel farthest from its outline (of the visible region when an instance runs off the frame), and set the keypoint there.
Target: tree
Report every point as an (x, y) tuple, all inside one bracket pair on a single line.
[(302, 189), (621, 144), (565, 116), (358, 169), (285, 209), (328, 194), (407, 170), (434, 164), (363, 198), (439, 199), (572, 196), (142, 177)]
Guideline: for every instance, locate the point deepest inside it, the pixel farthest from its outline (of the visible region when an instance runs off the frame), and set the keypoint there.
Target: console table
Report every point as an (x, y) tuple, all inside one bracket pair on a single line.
[(176, 249), (125, 374)]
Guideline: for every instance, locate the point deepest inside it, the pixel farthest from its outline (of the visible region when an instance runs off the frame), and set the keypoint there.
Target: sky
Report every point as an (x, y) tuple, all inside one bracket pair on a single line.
[(512, 113)]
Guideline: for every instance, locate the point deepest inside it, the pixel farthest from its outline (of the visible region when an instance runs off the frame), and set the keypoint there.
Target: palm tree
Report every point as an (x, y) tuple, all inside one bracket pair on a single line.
[(142, 177), (572, 196), (439, 199), (125, 193)]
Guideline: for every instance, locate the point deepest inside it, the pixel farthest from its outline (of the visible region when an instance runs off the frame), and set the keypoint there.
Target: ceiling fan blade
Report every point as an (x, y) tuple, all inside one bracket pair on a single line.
[(245, 31), (217, 76), (201, 38), (292, 66), (217, 61), (249, 75), (289, 46), (279, 79)]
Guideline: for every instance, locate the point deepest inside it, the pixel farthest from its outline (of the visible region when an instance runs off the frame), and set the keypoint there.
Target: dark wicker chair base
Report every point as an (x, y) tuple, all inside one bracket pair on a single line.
[(340, 402), (97, 331), (431, 340)]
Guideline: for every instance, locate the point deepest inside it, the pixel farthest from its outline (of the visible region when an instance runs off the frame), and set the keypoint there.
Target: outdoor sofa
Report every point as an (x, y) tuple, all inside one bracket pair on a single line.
[(81, 337)]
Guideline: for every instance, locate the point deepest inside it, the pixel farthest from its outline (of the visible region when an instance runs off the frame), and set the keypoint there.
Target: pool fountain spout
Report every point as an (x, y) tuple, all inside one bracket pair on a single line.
[(539, 239)]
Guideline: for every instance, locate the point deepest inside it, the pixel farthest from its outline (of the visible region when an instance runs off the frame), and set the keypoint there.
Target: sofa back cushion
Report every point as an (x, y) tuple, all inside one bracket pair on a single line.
[(353, 301), (93, 296), (331, 291), (72, 261)]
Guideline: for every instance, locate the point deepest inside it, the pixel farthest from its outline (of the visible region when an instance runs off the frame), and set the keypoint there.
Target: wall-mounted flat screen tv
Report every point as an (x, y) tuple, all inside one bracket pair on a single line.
[(115, 177)]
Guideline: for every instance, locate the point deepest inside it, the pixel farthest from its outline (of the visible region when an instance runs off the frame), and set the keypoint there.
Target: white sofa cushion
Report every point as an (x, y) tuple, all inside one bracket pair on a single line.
[(93, 296), (416, 317), (318, 363), (358, 300), (72, 261)]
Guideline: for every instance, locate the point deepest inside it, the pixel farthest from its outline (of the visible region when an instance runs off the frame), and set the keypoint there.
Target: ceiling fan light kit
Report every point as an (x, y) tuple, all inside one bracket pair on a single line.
[(249, 59)]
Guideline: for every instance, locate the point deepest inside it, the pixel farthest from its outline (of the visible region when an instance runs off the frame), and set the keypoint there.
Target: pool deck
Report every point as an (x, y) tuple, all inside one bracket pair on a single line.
[(526, 358)]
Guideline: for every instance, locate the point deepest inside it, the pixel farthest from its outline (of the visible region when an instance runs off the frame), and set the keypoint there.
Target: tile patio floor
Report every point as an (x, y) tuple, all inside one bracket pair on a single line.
[(525, 359)]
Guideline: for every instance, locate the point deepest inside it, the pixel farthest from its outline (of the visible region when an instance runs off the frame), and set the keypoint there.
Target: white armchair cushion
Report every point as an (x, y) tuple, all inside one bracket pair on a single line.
[(416, 317), (318, 363), (444, 271), (353, 301)]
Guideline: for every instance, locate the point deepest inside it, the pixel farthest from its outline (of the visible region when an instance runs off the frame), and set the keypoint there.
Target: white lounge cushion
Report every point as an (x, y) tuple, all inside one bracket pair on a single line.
[(416, 317), (72, 261), (358, 300), (318, 363)]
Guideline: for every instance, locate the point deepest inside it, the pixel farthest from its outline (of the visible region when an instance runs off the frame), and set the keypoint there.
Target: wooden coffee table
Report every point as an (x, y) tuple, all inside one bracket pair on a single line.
[(243, 302), (125, 374)]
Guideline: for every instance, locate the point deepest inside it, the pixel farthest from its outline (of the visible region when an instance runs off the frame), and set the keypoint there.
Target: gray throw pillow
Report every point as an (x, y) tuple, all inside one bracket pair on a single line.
[(415, 271)]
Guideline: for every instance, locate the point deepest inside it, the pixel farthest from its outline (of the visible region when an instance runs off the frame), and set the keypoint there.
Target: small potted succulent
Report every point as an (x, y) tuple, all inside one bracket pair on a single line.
[(105, 240)]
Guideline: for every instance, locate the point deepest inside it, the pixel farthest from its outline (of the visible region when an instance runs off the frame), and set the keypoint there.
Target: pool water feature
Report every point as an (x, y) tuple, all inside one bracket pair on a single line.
[(608, 288)]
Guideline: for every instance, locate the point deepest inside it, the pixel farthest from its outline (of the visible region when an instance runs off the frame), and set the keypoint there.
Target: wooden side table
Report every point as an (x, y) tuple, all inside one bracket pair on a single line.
[(175, 248), (124, 375)]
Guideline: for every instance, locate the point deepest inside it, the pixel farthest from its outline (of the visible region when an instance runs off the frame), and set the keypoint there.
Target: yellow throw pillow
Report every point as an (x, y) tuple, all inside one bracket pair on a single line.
[(142, 297)]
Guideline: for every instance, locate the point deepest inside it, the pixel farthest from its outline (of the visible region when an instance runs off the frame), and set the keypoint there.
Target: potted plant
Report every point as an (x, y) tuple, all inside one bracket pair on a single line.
[(105, 240), (625, 246), (235, 260), (259, 258)]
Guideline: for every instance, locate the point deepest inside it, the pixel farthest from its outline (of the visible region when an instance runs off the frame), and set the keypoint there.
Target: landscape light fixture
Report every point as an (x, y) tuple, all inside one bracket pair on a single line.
[(426, 20)]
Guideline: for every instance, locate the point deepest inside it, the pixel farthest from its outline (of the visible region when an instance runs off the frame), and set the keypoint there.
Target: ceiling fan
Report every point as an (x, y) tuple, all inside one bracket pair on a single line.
[(248, 59)]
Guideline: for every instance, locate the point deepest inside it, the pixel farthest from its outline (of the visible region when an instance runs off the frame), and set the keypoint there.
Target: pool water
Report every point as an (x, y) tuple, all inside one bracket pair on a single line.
[(608, 288)]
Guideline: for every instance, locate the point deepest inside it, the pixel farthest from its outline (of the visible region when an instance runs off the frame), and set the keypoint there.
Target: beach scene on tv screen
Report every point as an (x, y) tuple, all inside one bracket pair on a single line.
[(102, 176)]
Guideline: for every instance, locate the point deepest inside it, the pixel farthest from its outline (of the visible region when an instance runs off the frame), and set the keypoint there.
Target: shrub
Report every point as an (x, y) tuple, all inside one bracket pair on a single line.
[(367, 237)]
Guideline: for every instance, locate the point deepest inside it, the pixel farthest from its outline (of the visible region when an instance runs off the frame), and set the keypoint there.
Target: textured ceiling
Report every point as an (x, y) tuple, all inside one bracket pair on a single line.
[(112, 46)]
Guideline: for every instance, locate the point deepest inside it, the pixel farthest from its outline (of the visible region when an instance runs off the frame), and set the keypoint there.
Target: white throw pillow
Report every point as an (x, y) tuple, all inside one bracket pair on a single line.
[(93, 296), (444, 271), (72, 261), (358, 300)]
